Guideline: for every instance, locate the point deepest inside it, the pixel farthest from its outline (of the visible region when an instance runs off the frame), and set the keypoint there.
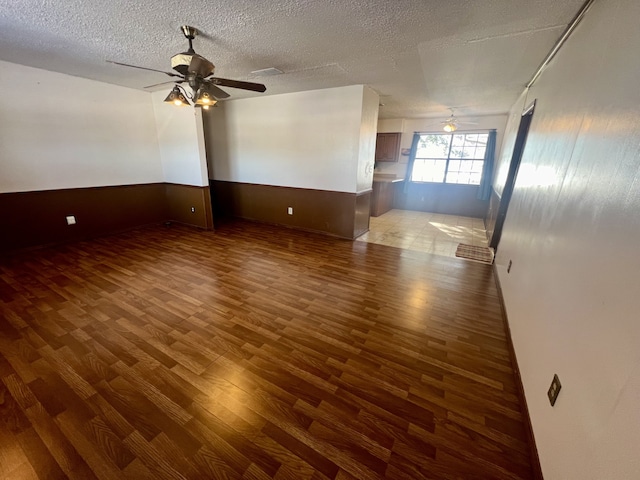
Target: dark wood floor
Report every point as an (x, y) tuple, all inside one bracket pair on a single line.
[(253, 352)]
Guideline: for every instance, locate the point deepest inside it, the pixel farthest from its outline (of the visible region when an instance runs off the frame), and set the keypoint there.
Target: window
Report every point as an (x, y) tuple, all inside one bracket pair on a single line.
[(450, 158)]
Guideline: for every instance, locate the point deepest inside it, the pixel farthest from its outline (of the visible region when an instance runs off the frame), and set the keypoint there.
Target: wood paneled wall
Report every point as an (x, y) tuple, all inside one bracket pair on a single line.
[(180, 201), (362, 214), (340, 214), (38, 218), (441, 198)]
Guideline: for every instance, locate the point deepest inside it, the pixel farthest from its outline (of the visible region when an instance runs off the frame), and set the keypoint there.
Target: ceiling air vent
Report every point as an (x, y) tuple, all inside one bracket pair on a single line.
[(267, 72)]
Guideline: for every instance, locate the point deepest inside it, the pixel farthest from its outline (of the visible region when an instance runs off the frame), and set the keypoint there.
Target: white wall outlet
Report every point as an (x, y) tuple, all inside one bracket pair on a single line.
[(193, 209), (290, 210), (71, 219)]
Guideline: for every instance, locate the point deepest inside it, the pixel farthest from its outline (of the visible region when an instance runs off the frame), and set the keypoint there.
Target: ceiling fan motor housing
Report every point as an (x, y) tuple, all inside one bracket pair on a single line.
[(182, 61)]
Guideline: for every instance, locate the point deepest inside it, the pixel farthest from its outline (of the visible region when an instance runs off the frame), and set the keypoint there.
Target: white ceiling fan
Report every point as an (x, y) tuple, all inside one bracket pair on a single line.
[(452, 123)]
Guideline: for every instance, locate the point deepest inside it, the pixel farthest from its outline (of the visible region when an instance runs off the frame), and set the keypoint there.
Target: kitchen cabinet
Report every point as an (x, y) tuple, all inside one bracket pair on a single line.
[(387, 147), (383, 194)]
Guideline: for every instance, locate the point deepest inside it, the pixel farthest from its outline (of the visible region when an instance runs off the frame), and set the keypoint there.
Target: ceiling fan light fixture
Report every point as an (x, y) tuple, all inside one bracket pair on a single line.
[(204, 98), (177, 98), (450, 127)]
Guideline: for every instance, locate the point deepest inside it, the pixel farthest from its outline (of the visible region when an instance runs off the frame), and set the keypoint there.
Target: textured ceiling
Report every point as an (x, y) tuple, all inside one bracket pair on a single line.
[(421, 56)]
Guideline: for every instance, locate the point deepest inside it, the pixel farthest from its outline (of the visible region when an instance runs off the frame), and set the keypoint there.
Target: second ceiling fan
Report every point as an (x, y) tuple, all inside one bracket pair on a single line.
[(197, 72), (451, 124)]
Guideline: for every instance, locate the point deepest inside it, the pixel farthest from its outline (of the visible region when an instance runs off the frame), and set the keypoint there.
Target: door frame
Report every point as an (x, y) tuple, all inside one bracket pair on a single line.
[(514, 166)]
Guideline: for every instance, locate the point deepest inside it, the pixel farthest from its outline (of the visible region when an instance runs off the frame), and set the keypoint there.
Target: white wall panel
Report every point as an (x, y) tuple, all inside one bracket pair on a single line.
[(572, 229), (306, 139), (368, 132), (181, 141), (390, 125), (58, 131)]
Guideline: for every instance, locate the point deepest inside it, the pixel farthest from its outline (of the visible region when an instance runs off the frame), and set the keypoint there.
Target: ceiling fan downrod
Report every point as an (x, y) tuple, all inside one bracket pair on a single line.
[(190, 33)]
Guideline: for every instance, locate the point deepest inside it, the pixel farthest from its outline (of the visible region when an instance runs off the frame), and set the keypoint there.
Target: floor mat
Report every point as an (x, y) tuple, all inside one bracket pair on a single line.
[(475, 253)]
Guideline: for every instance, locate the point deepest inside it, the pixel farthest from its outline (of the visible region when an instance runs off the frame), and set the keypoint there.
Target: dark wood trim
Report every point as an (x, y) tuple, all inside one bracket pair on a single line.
[(536, 468), (492, 213), (180, 201), (339, 214), (383, 196), (362, 213), (37, 218), (514, 166)]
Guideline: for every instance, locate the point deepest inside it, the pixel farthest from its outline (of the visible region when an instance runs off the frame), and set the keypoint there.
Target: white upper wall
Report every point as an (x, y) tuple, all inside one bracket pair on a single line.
[(503, 155), (59, 131), (391, 125), (367, 149), (306, 139), (181, 141), (572, 231)]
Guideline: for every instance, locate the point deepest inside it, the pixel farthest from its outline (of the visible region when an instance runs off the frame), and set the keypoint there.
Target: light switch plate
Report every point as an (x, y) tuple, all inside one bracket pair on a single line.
[(71, 220)]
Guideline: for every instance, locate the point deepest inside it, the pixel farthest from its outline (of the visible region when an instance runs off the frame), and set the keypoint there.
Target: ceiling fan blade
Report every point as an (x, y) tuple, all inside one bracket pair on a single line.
[(458, 122), (145, 68), (164, 83), (225, 82)]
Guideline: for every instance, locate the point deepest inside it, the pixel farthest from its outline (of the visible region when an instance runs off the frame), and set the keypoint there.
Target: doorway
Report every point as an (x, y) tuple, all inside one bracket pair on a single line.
[(516, 157)]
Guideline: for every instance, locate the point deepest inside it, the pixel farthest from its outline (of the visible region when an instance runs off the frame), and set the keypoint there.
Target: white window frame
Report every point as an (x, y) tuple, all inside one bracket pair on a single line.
[(459, 169)]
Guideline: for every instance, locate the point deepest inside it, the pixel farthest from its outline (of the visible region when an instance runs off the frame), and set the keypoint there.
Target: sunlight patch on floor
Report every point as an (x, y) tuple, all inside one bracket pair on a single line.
[(434, 233)]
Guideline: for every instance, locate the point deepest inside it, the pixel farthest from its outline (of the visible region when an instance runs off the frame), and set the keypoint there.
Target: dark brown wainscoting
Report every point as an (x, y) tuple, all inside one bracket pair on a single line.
[(182, 198), (341, 214), (442, 198), (362, 213), (38, 218)]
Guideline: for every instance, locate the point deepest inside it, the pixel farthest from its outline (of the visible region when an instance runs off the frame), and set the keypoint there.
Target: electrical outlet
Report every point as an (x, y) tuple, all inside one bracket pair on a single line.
[(290, 210), (71, 219), (193, 209), (509, 267), (554, 390)]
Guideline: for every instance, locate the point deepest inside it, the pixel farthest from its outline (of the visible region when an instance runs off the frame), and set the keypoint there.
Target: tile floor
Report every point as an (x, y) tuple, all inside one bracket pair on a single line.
[(425, 232)]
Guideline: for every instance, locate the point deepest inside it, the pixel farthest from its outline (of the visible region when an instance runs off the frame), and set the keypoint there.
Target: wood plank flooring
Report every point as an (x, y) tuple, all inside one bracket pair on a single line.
[(252, 353)]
